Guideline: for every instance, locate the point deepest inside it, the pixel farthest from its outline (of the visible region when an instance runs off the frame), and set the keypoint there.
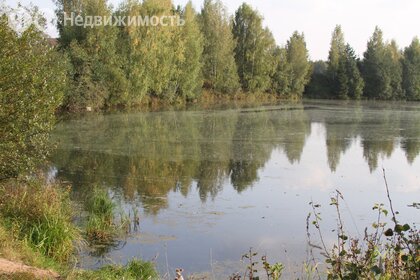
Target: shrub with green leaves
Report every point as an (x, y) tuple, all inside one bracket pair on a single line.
[(32, 82)]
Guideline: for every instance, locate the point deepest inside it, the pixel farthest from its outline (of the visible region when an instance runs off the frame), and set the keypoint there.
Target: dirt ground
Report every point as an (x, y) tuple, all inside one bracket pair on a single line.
[(8, 268)]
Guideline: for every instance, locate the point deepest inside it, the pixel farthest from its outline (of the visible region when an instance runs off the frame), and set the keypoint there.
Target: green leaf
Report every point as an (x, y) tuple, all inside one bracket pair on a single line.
[(406, 227)]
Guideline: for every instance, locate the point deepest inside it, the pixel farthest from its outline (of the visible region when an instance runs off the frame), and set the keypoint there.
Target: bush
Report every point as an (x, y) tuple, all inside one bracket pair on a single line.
[(32, 85)]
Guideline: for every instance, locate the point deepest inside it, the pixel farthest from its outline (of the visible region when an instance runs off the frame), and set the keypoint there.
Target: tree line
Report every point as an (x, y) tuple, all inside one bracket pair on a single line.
[(384, 73), (128, 65)]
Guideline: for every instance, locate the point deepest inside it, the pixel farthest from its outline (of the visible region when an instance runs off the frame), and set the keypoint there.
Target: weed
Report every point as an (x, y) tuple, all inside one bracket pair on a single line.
[(39, 215), (272, 271), (100, 226), (134, 270), (387, 252)]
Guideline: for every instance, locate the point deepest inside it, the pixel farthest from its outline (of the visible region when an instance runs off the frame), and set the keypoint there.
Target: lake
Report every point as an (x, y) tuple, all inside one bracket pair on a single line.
[(211, 183)]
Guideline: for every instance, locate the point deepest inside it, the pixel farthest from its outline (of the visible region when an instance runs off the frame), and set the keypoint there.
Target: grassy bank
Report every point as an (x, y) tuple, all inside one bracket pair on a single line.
[(37, 229), (207, 99)]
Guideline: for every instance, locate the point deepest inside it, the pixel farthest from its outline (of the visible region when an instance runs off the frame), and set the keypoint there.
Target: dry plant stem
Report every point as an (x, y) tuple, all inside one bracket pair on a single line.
[(340, 241), (394, 218), (319, 229), (311, 251), (389, 197)]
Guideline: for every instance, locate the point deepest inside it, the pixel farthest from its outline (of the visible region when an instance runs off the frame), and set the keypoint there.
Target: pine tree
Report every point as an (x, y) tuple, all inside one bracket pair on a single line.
[(411, 70), (254, 52), (219, 68), (348, 82), (341, 89), (382, 69), (355, 80)]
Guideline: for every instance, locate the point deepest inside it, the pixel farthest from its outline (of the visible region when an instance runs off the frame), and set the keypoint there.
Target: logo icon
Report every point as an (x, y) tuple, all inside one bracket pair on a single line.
[(20, 19)]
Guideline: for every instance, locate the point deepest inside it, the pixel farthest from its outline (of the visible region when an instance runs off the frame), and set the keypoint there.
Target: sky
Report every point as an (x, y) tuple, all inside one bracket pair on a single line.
[(399, 20)]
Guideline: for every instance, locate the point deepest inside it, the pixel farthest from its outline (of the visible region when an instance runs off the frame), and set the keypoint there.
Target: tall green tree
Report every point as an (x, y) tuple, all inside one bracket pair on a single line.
[(219, 68), (337, 73), (343, 74), (348, 83), (282, 76), (411, 70), (191, 78), (32, 84), (377, 81), (393, 59), (337, 51), (297, 57), (254, 52), (98, 80), (158, 51), (381, 68)]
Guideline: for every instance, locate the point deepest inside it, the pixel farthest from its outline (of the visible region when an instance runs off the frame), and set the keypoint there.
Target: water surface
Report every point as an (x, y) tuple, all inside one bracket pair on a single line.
[(209, 184)]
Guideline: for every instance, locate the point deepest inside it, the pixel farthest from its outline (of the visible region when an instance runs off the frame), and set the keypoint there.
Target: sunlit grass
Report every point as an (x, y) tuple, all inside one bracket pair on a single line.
[(134, 270), (39, 215)]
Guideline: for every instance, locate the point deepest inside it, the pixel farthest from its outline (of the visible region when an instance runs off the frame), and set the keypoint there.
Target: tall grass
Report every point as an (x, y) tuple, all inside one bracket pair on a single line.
[(134, 270), (36, 228), (101, 227), (39, 215)]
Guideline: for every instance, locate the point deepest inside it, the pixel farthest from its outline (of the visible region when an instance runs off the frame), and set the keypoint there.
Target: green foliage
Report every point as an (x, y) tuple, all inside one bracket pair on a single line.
[(337, 51), (319, 86), (347, 82), (297, 57), (393, 61), (343, 73), (254, 50), (133, 65), (100, 226), (383, 253), (293, 69), (41, 216), (32, 83), (381, 69), (219, 68), (411, 70), (97, 78), (134, 270), (273, 271), (159, 51), (191, 76), (281, 79)]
